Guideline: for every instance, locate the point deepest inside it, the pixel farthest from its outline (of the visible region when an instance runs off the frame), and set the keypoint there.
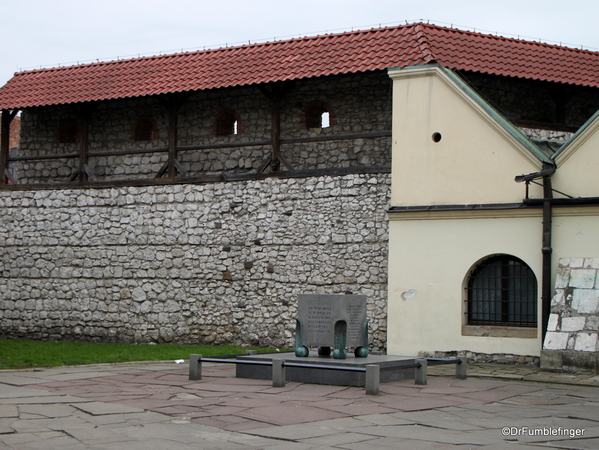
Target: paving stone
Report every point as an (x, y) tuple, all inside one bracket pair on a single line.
[(337, 439), (100, 408), (229, 423), (47, 410), (285, 415), (437, 415), (357, 409), (8, 411), (394, 443), (591, 444), (19, 380), (7, 391), (5, 425), (51, 398), (293, 432), (344, 423), (16, 439), (60, 441)]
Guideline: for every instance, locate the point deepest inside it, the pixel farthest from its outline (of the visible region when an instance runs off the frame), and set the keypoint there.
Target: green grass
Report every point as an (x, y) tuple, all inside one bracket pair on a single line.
[(24, 353)]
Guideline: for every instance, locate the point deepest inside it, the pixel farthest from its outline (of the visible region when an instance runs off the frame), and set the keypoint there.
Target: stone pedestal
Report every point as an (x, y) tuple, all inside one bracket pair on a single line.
[(320, 375)]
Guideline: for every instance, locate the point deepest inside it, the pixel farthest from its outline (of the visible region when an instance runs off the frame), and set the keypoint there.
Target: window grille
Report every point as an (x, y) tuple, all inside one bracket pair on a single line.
[(502, 290)]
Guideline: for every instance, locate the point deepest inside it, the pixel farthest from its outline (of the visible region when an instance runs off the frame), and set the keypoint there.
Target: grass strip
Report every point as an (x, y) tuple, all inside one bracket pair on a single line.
[(25, 353)]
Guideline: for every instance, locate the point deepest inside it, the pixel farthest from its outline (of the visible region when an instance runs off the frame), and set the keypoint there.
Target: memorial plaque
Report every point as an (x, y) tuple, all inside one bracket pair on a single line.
[(320, 312)]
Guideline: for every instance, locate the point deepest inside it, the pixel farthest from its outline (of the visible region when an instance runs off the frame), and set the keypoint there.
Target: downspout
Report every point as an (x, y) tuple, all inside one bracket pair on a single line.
[(547, 253), (546, 249)]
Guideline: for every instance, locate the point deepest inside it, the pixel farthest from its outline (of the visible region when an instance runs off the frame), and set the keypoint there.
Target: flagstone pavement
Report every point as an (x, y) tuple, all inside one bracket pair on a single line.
[(153, 406)]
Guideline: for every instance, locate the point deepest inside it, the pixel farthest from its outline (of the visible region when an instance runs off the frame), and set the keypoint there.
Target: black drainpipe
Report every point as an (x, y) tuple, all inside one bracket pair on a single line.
[(546, 250)]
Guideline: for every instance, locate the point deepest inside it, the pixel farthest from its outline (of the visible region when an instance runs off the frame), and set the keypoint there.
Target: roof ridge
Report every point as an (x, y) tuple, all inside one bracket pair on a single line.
[(424, 43), (500, 37), (421, 29), (222, 49), (367, 50)]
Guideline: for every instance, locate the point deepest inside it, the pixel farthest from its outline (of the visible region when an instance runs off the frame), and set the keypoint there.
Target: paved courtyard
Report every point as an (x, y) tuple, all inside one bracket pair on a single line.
[(154, 406)]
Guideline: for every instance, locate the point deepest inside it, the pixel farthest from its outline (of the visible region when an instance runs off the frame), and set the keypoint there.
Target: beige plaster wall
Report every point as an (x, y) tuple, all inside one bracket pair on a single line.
[(575, 233), (474, 162), (431, 253), (578, 164), (429, 260)]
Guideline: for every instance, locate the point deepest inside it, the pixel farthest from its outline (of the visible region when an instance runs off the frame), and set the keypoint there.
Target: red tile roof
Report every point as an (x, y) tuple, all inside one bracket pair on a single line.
[(358, 51)]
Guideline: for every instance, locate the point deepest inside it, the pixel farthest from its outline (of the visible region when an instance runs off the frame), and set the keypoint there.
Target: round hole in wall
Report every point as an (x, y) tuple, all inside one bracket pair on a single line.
[(436, 137)]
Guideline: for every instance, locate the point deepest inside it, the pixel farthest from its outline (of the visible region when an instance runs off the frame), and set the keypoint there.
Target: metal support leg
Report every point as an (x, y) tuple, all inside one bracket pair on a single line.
[(300, 349), (373, 379), (421, 372), (340, 351), (195, 367), (461, 369), (278, 373)]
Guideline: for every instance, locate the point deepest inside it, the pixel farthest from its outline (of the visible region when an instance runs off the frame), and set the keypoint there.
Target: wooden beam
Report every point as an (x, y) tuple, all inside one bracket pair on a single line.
[(187, 148), (275, 130), (275, 96), (172, 103), (7, 117), (337, 137), (84, 112), (206, 179), (172, 139)]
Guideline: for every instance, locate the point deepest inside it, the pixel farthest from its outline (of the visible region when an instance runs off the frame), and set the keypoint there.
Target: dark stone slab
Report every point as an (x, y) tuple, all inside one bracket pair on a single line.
[(320, 312), (316, 375)]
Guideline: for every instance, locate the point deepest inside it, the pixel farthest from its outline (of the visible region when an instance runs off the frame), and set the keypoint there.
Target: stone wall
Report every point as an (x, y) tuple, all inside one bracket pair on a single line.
[(571, 340), (536, 101), (216, 263), (485, 358), (357, 104), (558, 137)]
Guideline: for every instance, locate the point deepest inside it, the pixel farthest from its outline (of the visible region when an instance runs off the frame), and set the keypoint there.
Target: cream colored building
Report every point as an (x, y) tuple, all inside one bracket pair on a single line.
[(466, 264)]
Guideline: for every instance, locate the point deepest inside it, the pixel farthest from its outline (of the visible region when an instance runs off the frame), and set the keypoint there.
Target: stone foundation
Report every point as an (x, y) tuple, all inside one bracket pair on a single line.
[(571, 342), (495, 358)]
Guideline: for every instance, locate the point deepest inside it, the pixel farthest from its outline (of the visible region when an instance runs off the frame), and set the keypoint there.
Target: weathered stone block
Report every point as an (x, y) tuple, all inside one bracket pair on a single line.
[(582, 278), (551, 360), (585, 301), (563, 277), (572, 323), (553, 322), (586, 342), (556, 341)]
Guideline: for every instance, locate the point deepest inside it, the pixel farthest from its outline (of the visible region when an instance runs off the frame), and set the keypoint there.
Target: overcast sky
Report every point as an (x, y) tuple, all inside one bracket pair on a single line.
[(51, 32)]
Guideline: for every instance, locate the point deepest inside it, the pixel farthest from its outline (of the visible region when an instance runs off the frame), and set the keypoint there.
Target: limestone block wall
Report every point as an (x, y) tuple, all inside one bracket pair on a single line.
[(571, 339), (559, 137), (216, 263)]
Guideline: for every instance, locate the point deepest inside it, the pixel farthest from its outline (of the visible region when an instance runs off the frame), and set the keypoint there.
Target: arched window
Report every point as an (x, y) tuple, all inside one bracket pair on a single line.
[(68, 131), (502, 290), (317, 115), (227, 123), (144, 130)]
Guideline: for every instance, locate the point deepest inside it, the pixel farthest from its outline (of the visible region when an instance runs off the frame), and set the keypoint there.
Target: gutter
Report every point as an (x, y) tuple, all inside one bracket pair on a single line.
[(546, 248), (581, 201)]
